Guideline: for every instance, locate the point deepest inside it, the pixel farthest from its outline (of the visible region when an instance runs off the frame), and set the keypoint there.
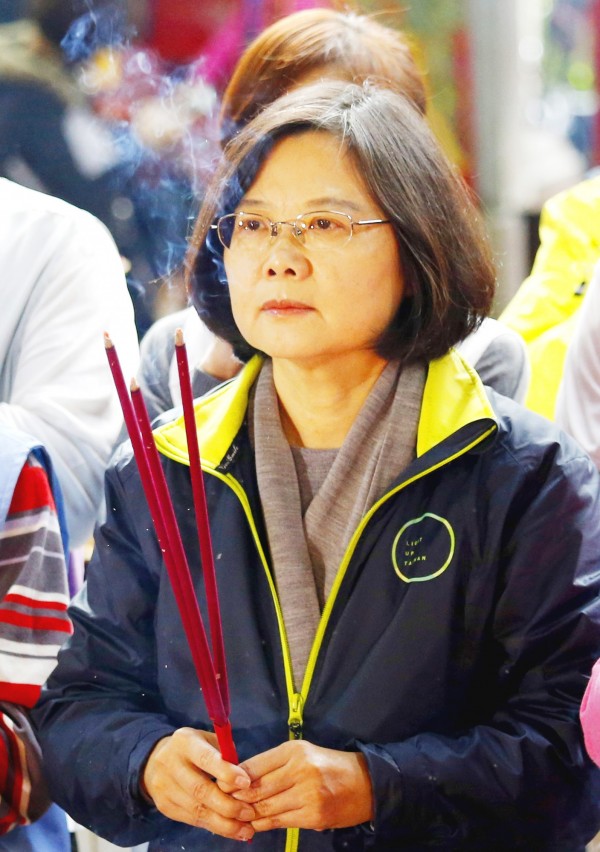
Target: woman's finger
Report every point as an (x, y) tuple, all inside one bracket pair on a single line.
[(287, 819), (274, 782), (201, 750), (199, 814)]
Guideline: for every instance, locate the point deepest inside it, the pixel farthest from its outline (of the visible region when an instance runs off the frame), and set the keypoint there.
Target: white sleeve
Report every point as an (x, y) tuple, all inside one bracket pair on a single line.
[(578, 402), (61, 388)]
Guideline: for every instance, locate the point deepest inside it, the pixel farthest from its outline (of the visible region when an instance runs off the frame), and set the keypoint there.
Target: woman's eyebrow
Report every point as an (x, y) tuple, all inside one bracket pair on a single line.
[(323, 203), (253, 202), (328, 201)]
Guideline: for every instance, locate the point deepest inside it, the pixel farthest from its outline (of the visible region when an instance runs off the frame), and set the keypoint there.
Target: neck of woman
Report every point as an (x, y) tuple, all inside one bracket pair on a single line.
[(319, 402)]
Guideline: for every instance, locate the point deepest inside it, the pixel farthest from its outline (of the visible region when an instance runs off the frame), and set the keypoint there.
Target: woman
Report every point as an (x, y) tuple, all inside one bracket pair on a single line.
[(304, 47), (407, 564)]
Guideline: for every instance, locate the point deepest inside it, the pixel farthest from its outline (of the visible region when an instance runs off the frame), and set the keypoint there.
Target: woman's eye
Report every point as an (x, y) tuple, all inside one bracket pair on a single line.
[(253, 224), (322, 224)]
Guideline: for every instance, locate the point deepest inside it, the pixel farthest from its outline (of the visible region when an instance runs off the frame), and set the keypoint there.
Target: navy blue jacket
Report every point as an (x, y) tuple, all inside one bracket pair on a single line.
[(453, 650)]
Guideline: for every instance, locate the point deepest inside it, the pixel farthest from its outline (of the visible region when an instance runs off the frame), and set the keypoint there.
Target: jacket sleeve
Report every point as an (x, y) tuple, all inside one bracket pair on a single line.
[(61, 389), (33, 625), (520, 774), (103, 697), (23, 793), (156, 351)]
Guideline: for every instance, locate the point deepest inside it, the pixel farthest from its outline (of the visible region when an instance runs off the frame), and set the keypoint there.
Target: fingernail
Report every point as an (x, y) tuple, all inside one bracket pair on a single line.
[(247, 813), (242, 782), (245, 833)]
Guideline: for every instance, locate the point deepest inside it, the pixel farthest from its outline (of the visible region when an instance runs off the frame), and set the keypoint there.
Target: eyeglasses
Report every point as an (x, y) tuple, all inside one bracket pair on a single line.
[(321, 229)]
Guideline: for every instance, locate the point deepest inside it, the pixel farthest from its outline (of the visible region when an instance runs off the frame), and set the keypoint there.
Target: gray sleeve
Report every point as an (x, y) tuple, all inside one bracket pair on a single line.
[(203, 383), (156, 352), (504, 366)]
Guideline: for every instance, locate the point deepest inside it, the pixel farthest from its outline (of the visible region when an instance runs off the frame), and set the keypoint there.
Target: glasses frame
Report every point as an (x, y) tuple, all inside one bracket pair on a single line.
[(297, 230)]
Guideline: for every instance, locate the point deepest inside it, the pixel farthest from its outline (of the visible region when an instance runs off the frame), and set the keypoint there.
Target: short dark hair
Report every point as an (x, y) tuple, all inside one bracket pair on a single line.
[(446, 260)]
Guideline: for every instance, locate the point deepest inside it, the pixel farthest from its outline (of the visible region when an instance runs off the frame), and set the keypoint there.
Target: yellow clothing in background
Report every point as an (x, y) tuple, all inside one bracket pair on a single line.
[(544, 308)]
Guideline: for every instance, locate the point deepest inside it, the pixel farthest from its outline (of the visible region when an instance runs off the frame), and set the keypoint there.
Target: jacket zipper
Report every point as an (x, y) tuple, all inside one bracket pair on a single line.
[(297, 700), (295, 717)]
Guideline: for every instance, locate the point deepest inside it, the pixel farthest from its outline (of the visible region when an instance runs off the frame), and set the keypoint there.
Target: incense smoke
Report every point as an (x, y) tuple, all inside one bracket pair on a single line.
[(162, 120)]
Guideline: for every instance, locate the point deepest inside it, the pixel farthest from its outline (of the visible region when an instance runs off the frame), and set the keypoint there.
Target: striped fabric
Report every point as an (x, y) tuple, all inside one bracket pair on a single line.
[(33, 626)]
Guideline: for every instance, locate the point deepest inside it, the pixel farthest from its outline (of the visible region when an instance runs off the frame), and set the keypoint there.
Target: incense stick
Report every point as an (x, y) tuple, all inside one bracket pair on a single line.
[(167, 531), (177, 565), (202, 522)]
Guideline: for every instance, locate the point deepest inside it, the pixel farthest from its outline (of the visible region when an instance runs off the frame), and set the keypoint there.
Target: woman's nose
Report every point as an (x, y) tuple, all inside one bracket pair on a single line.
[(285, 256)]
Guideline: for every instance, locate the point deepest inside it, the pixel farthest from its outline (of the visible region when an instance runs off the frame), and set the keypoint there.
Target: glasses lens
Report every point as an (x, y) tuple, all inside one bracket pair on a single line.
[(326, 228), (225, 228), (243, 230)]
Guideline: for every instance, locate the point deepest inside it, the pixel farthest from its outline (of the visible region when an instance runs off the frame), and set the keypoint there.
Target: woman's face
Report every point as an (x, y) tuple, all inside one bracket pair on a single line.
[(297, 302)]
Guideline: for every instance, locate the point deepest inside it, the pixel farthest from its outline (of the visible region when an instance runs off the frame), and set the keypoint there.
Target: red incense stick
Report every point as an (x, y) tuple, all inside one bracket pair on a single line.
[(163, 517), (202, 523), (182, 583), (136, 442)]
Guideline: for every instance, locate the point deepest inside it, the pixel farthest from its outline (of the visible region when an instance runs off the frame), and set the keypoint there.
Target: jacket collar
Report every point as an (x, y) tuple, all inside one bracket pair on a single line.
[(219, 417), (453, 398)]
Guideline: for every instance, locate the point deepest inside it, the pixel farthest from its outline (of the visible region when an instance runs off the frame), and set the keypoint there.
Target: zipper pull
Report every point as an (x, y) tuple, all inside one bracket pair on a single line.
[(295, 718)]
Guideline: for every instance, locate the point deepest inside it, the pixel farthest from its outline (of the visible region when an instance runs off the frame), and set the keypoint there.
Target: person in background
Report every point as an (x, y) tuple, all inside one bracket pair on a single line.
[(52, 140), (544, 309), (63, 285), (34, 596), (407, 562), (578, 401), (578, 413), (301, 48), (47, 131)]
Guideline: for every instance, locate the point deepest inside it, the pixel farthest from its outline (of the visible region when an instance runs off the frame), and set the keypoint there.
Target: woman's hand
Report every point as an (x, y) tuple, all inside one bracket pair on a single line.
[(301, 785), (180, 779)]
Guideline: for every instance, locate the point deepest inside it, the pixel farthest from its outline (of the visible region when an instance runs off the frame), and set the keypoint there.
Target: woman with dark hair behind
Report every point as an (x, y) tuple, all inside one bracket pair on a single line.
[(407, 563), (318, 43)]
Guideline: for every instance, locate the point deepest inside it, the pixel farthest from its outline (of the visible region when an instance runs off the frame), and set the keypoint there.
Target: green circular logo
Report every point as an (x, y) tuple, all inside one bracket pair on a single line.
[(423, 548)]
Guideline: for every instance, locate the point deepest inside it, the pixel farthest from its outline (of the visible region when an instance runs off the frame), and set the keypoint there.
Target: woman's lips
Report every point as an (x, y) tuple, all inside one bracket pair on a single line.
[(285, 307)]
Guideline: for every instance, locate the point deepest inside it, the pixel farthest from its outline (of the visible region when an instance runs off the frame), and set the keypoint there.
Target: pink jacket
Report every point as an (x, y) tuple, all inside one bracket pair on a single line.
[(590, 715)]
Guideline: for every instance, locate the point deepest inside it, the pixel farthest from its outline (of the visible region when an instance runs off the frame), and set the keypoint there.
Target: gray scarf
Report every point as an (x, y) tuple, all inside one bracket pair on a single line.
[(306, 553)]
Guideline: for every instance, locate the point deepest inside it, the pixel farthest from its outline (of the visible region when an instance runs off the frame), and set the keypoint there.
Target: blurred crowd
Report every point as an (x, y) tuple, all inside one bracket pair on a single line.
[(112, 107)]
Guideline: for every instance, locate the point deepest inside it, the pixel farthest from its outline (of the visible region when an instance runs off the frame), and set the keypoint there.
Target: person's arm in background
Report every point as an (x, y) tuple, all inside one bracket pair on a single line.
[(33, 626), (578, 402), (211, 360), (56, 382), (578, 412), (563, 263), (157, 350), (500, 357)]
